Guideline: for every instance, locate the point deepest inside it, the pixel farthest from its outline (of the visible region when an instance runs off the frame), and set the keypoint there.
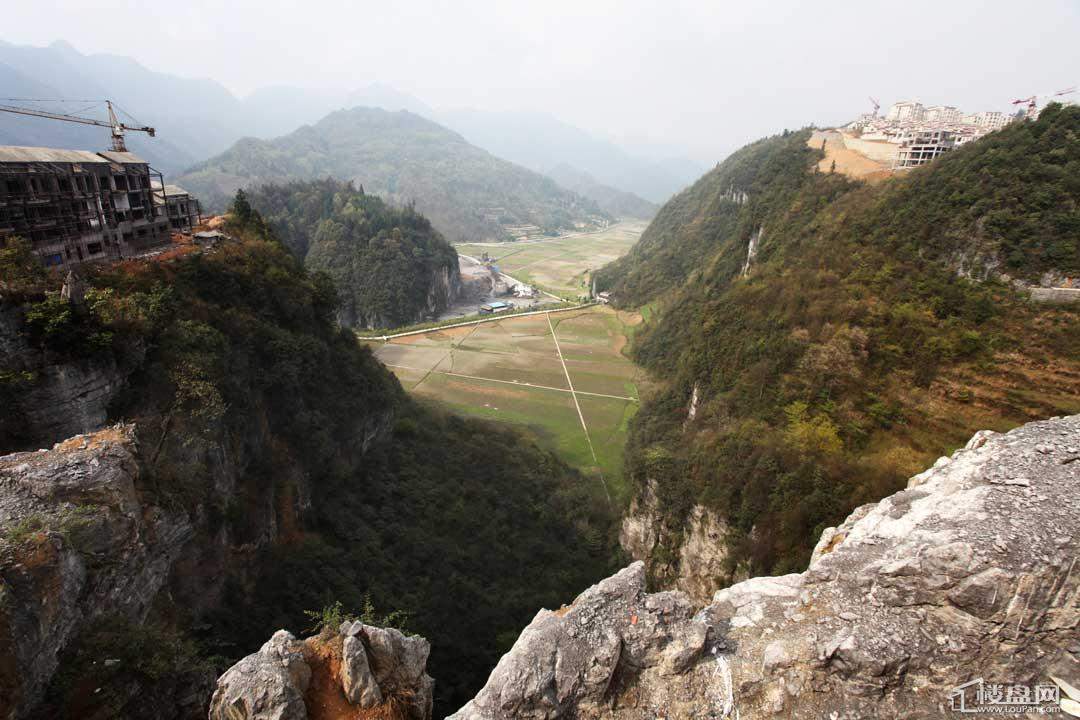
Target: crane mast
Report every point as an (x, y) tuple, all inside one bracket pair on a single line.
[(116, 128), (1033, 101)]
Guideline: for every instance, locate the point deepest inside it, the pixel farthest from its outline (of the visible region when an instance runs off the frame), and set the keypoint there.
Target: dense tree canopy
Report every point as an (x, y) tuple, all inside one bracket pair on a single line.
[(389, 265), (239, 373), (468, 193), (871, 333)]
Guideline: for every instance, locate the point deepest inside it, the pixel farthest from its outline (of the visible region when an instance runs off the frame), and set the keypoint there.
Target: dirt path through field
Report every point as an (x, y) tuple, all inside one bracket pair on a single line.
[(581, 416)]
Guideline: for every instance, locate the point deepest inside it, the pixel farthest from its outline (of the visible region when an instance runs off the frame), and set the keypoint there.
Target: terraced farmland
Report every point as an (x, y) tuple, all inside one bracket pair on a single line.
[(561, 266), (560, 376)]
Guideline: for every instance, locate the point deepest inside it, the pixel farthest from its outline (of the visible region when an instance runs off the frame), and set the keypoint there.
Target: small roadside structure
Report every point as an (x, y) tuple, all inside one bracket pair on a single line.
[(495, 307)]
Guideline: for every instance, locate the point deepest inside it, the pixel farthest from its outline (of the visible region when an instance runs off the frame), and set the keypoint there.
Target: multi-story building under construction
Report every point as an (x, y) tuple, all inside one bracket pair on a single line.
[(76, 206)]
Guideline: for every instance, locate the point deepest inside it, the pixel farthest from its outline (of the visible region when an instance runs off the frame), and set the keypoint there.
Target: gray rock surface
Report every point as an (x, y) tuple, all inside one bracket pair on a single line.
[(267, 685), (969, 573), (64, 398), (357, 681), (700, 565), (76, 544), (360, 668)]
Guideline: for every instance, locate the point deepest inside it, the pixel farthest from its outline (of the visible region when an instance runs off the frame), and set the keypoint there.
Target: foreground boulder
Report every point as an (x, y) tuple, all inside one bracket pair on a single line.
[(330, 676), (968, 575)]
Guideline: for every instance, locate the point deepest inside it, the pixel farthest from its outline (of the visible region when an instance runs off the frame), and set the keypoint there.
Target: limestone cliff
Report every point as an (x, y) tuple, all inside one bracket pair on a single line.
[(61, 396), (701, 564), (357, 671), (968, 573), (77, 544)]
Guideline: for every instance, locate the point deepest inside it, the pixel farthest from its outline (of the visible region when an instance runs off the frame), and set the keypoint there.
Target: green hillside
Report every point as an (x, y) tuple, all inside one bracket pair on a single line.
[(872, 333), (390, 266), (468, 193)]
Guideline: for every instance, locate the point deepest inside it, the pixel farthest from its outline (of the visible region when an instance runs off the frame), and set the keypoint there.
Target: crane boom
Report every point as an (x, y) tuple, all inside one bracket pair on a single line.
[(118, 128)]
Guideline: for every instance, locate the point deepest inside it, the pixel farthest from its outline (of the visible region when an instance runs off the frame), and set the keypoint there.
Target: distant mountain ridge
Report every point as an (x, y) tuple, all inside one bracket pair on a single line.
[(189, 114), (611, 200), (199, 118), (195, 118), (541, 142), (465, 191)]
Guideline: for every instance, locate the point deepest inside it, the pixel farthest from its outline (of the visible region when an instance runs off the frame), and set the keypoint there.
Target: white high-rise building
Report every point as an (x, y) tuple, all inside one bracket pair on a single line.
[(906, 111), (942, 115), (991, 120)]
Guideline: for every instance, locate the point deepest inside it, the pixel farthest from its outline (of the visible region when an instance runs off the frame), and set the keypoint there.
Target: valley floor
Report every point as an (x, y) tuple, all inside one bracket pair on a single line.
[(561, 376), (562, 265)]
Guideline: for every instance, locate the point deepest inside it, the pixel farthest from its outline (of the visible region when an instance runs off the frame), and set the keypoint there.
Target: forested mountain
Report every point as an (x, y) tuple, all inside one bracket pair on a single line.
[(390, 267), (823, 339), (197, 119), (285, 470), (541, 142), (612, 201), (466, 192)]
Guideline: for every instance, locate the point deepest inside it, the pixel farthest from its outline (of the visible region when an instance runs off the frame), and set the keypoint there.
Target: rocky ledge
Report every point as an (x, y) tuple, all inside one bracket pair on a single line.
[(76, 544), (969, 573), (359, 671)]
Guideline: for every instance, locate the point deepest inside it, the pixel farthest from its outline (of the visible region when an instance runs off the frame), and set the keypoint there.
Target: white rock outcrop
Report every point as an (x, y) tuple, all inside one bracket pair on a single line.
[(348, 673), (969, 573)]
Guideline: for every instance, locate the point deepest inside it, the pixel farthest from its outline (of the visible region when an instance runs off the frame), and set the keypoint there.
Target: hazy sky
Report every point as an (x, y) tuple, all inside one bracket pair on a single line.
[(700, 77)]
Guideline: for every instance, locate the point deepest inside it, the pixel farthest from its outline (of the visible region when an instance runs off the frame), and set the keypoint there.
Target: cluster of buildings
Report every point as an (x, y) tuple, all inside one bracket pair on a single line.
[(921, 133), (76, 206)]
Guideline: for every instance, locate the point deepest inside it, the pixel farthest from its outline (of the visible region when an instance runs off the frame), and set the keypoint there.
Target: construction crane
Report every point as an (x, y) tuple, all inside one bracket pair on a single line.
[(1033, 101), (877, 106), (113, 123)]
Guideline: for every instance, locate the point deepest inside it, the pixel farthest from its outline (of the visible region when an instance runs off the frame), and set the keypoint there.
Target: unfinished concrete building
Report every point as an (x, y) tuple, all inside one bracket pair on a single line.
[(183, 210), (921, 146), (76, 206)]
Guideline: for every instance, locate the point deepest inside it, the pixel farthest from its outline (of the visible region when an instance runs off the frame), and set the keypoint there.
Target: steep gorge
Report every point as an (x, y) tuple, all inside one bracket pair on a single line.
[(270, 466), (909, 608), (820, 339)]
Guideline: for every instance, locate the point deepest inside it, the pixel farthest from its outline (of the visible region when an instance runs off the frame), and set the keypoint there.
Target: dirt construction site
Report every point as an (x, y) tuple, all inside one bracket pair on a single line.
[(860, 159)]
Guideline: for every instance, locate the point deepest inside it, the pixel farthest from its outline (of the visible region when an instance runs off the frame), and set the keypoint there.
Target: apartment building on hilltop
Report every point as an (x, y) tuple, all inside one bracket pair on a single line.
[(76, 206)]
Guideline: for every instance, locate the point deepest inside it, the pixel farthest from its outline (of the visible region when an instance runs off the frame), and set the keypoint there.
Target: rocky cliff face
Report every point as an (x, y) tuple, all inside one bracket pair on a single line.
[(699, 568), (444, 289), (77, 544), (61, 399), (968, 573), (358, 671)]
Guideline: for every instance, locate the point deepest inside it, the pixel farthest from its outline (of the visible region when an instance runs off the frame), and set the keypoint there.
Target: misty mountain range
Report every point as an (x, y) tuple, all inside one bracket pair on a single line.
[(467, 192), (199, 118)]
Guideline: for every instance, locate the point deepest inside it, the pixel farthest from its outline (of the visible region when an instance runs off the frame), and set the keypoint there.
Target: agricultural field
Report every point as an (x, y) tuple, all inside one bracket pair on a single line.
[(561, 266), (561, 376)]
